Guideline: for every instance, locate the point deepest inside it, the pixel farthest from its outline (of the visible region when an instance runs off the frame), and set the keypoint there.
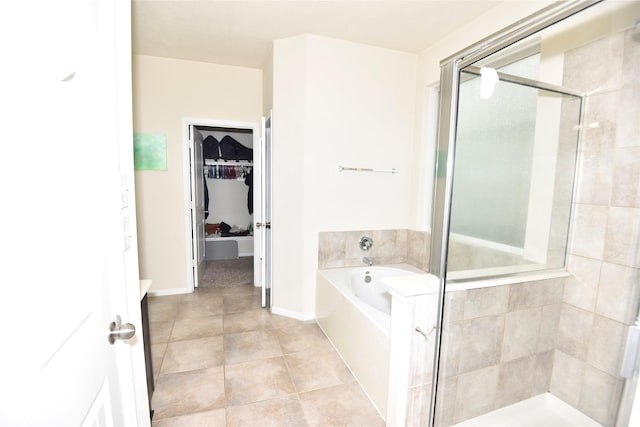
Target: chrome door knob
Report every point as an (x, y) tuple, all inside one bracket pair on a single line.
[(258, 224), (120, 331)]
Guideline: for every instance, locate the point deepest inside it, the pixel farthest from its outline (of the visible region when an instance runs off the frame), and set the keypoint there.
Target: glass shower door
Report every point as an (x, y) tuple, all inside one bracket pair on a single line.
[(536, 230)]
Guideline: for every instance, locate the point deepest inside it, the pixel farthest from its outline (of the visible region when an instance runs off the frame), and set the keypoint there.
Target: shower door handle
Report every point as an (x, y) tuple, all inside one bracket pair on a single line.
[(629, 367)]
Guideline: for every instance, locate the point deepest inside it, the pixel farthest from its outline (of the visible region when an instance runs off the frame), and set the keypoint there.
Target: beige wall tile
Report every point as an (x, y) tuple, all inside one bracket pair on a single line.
[(626, 176), (596, 177), (628, 128), (574, 331), (600, 396), (486, 301), (515, 381), (603, 59), (542, 369), (608, 337), (589, 228), (476, 393), (521, 334), (623, 236), (618, 292), (549, 328), (581, 289), (454, 306), (446, 404), (481, 342), (567, 377), (525, 295), (331, 248), (450, 349)]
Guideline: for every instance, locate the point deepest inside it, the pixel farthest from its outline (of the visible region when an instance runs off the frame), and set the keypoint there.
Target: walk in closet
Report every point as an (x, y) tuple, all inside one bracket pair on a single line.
[(228, 172), (228, 204)]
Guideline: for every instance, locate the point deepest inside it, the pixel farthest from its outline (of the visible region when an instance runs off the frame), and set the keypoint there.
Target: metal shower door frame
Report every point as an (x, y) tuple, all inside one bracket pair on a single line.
[(446, 142)]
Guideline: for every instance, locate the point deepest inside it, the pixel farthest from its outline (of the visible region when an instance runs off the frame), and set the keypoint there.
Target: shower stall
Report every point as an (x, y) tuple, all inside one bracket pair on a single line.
[(536, 222)]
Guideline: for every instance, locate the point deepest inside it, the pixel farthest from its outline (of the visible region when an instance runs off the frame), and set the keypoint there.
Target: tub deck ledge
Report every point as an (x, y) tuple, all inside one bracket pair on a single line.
[(412, 285)]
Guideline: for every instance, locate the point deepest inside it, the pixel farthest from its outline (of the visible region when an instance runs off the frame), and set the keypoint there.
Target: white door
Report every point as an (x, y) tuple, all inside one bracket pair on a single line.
[(263, 224), (65, 84), (198, 209)]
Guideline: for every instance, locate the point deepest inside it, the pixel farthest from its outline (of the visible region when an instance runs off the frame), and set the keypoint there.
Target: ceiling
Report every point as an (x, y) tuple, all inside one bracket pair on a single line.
[(240, 32)]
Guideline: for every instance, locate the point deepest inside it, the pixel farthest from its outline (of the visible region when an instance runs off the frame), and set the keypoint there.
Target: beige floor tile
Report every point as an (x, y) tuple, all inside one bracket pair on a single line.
[(284, 412), (251, 320), (159, 332), (311, 370), (282, 322), (189, 392), (208, 305), (157, 355), (341, 405), (241, 303), (303, 337), (215, 418), (163, 308), (248, 346), (201, 327), (257, 380), (191, 355)]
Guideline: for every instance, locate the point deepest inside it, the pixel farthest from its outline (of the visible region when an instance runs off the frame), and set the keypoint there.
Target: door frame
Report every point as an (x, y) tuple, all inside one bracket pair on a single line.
[(187, 165)]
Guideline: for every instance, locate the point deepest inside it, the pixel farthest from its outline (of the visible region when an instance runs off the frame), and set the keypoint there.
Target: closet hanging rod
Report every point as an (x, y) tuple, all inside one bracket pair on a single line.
[(343, 168)]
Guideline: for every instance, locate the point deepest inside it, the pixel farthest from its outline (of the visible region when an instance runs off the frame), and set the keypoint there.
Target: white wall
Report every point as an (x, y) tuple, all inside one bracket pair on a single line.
[(336, 103), (164, 92)]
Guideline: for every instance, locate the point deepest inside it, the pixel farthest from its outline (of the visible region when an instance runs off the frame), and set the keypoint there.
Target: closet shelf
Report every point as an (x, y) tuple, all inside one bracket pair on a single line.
[(211, 162)]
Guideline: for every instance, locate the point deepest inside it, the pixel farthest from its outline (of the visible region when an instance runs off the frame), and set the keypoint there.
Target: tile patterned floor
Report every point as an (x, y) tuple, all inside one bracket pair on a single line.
[(221, 360)]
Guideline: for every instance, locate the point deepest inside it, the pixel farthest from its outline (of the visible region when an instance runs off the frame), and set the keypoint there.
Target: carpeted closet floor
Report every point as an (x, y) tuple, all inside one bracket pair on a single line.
[(230, 272)]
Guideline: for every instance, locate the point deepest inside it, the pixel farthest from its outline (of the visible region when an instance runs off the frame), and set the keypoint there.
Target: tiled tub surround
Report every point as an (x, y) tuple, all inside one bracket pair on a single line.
[(341, 249)]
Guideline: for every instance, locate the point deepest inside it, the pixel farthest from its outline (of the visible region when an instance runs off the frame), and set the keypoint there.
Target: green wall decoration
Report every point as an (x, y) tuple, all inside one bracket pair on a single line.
[(149, 151)]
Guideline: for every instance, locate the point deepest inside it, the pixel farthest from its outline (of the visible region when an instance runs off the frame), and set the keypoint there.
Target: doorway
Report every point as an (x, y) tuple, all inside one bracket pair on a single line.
[(226, 195)]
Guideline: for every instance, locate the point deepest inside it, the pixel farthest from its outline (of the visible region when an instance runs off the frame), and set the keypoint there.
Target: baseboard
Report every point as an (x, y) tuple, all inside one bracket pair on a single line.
[(293, 314), (165, 292)]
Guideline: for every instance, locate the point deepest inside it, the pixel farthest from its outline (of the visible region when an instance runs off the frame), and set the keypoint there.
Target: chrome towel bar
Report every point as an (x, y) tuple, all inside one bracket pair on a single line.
[(342, 168)]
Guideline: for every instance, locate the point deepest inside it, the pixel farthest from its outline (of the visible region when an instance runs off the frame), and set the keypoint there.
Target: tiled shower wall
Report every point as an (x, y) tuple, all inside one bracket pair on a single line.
[(341, 248), (601, 298), (498, 346)]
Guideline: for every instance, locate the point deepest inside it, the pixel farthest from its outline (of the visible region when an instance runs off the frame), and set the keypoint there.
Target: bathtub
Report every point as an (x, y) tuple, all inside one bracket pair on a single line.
[(354, 313)]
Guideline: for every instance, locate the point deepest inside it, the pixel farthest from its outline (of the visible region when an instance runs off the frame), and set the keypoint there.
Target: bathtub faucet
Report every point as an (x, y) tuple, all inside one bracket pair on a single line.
[(367, 260)]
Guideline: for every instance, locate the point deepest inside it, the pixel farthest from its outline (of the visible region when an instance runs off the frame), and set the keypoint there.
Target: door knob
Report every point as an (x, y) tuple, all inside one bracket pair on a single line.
[(120, 331), (267, 225), (258, 224)]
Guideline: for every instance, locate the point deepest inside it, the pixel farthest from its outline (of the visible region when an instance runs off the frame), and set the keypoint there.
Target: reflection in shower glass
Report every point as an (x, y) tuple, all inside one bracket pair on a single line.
[(514, 172)]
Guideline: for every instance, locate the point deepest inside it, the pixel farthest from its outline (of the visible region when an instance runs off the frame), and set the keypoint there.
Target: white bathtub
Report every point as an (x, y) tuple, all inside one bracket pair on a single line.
[(355, 315)]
